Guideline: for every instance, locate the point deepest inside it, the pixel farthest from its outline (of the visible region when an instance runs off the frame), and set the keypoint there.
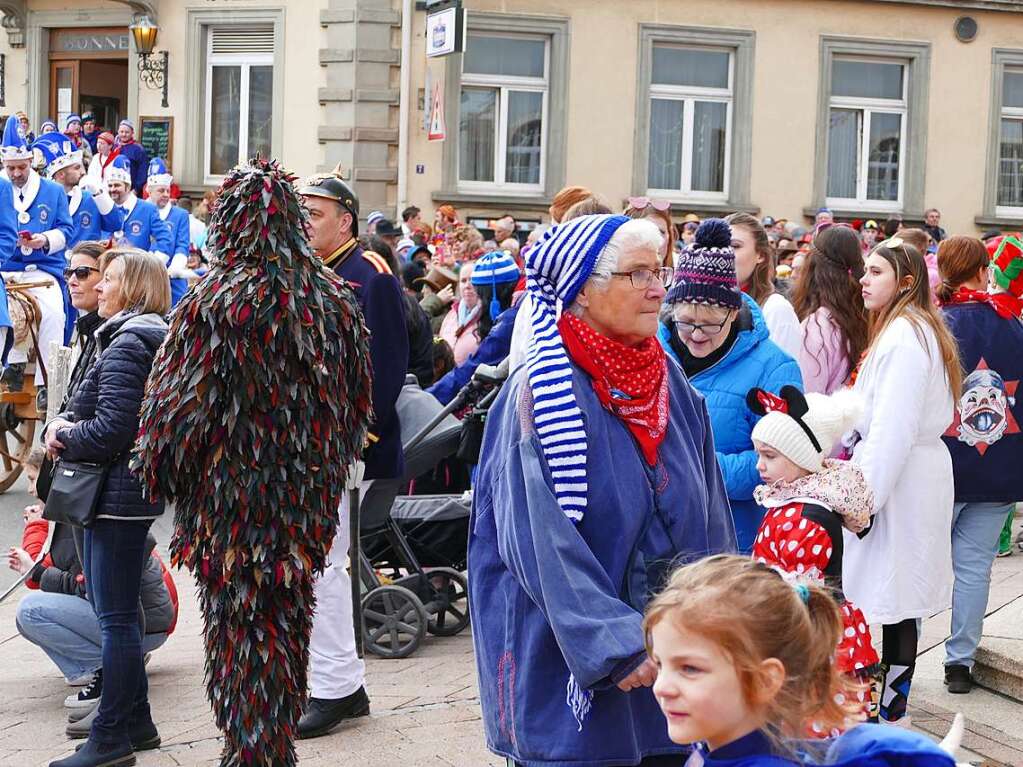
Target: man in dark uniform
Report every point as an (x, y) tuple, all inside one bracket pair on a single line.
[(335, 671)]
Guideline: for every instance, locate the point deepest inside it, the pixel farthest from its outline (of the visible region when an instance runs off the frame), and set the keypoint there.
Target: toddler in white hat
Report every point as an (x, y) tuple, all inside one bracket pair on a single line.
[(809, 499)]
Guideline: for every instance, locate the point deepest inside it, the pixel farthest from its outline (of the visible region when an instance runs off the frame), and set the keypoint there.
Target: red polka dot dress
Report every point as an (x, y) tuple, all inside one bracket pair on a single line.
[(802, 537)]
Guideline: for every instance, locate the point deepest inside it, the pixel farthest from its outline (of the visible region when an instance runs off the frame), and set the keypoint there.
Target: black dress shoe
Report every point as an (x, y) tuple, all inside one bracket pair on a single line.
[(958, 678), (143, 735), (93, 754), (322, 716)]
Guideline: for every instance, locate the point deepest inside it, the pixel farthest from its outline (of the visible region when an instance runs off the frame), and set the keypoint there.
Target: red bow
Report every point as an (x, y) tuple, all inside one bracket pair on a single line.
[(771, 402)]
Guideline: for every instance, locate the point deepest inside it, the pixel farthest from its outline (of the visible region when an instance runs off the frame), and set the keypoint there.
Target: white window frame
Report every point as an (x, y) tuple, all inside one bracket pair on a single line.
[(503, 84), (868, 106), (246, 61), (1006, 113), (689, 95)]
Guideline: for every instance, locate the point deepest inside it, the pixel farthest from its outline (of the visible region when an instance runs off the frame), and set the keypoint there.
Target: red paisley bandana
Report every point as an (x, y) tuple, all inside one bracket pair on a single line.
[(1007, 306), (631, 382)]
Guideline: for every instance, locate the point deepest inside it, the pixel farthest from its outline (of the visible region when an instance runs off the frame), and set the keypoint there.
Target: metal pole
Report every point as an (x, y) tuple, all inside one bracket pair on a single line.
[(354, 562)]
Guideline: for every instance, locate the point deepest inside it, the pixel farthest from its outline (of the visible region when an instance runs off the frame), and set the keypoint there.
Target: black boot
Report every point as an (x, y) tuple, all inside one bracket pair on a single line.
[(958, 678), (322, 715), (93, 754)]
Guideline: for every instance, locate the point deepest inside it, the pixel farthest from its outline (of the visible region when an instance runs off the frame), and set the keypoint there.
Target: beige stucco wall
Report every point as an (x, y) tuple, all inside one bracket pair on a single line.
[(302, 74), (603, 55)]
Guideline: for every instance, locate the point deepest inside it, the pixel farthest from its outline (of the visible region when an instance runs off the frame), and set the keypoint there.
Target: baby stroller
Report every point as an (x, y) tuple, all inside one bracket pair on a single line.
[(413, 548)]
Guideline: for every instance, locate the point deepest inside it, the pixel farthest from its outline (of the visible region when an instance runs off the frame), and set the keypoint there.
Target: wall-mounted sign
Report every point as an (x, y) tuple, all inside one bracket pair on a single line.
[(445, 31), (437, 130), (86, 41), (156, 135)]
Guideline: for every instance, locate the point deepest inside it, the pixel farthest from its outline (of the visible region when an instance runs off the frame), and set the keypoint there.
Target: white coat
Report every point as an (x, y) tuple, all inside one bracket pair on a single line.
[(903, 567)]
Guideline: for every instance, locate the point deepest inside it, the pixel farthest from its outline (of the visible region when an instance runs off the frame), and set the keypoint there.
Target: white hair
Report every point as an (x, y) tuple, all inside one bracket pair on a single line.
[(637, 234)]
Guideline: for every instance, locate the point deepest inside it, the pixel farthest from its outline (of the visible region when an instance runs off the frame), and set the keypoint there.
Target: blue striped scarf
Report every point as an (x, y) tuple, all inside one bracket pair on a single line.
[(557, 268)]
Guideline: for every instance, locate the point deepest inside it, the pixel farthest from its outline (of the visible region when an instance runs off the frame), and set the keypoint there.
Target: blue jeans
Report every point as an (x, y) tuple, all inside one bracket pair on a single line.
[(113, 559), (975, 531), (65, 628)]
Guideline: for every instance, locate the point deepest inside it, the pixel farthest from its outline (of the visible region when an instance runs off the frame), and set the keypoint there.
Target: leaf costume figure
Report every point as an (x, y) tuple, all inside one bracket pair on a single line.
[(258, 402)]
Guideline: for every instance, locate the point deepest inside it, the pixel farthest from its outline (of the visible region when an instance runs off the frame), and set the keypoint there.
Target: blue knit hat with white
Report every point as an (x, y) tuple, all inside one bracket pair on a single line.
[(494, 269), (557, 268)]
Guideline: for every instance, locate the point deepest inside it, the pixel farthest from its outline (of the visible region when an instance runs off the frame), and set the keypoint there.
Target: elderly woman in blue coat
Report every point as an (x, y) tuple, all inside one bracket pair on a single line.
[(720, 338), (597, 474)]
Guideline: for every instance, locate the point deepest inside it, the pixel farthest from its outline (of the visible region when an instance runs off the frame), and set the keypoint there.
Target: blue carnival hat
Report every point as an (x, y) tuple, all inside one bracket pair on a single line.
[(706, 269), (72, 118), (57, 152), (14, 145), (497, 267), (557, 268), (158, 173), (119, 170)]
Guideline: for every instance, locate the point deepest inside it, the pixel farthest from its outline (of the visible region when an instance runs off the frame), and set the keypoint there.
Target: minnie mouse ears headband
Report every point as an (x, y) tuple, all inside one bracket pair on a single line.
[(791, 402)]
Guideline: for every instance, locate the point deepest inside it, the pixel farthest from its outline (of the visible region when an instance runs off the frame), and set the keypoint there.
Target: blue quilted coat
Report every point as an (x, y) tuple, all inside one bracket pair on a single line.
[(754, 360)]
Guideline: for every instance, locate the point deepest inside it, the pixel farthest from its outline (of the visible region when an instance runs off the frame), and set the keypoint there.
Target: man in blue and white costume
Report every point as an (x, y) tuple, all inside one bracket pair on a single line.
[(44, 227), (92, 210), (142, 227), (159, 186)]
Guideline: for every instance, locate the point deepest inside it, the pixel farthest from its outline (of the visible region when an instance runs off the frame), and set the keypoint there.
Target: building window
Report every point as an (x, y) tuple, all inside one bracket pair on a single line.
[(1010, 144), (694, 116), (872, 135), (690, 121), (866, 125), (502, 127), (239, 95)]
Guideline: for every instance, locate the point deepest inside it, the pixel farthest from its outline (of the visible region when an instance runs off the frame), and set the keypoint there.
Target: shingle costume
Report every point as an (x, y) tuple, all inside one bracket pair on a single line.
[(258, 403)]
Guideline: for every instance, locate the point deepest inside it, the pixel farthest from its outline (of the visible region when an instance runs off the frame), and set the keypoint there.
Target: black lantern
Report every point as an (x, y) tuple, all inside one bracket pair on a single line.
[(152, 67)]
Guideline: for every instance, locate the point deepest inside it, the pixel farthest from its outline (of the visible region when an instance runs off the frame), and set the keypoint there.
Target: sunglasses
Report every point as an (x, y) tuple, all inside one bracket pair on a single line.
[(639, 203), (79, 272)]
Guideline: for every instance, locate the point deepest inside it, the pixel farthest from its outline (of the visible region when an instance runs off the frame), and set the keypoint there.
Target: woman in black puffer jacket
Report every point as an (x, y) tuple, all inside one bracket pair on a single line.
[(134, 296)]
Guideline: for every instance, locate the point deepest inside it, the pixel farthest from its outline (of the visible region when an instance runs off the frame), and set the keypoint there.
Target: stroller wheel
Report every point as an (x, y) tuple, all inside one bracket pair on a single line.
[(449, 604), (393, 621)]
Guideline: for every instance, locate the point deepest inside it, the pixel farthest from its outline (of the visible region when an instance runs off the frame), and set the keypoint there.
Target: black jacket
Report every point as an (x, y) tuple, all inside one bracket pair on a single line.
[(420, 342), (85, 328), (105, 410)]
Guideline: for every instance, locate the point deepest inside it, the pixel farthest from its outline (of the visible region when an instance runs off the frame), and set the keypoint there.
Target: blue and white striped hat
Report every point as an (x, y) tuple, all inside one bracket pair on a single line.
[(557, 268), (493, 269)]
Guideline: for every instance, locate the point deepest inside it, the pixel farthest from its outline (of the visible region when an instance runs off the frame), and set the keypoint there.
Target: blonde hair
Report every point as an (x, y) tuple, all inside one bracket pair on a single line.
[(752, 614), (145, 286), (915, 304)]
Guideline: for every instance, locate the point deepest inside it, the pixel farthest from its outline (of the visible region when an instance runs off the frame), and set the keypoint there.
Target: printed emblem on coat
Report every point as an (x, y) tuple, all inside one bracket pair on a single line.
[(135, 227), (86, 219), (984, 412), (44, 214)]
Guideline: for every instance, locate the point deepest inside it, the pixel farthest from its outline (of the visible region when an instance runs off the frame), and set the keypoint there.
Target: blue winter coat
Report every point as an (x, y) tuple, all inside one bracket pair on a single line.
[(492, 351), (550, 597), (176, 221), (987, 450), (139, 158), (8, 219), (754, 360), (144, 229), (105, 410)]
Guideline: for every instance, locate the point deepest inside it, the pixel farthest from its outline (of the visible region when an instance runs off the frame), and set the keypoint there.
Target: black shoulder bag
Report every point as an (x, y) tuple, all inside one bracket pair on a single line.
[(75, 491)]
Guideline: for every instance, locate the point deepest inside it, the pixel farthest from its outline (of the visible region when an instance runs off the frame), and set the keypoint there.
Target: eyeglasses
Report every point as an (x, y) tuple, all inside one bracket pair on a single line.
[(79, 272), (643, 278), (708, 328), (639, 203)]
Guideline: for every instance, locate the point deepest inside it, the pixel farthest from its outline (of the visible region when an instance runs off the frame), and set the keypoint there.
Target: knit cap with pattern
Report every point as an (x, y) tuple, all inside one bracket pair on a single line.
[(828, 417), (706, 269)]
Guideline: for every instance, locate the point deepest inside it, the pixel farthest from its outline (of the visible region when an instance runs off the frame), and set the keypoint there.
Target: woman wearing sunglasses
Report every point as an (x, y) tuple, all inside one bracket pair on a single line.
[(719, 336), (658, 211), (901, 570)]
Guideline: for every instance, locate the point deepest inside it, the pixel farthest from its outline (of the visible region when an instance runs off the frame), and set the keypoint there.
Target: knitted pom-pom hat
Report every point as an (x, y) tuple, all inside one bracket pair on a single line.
[(706, 269)]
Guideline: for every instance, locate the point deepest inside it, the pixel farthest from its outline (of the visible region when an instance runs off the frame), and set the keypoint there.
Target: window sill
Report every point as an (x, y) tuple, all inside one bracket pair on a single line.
[(998, 222), (719, 207), (866, 212), (504, 201)]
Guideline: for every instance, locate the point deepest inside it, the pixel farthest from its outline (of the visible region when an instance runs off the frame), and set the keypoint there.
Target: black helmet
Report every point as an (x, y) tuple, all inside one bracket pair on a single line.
[(330, 186)]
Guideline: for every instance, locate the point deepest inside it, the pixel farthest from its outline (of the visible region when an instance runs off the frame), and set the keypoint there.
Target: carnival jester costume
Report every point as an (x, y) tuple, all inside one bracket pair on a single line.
[(257, 404)]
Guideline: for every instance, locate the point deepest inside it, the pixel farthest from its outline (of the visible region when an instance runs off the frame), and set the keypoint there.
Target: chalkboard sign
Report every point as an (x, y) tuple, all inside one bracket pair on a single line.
[(156, 135)]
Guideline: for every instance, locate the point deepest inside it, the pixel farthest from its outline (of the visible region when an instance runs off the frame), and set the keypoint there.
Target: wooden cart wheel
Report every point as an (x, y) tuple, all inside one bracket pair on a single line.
[(16, 442)]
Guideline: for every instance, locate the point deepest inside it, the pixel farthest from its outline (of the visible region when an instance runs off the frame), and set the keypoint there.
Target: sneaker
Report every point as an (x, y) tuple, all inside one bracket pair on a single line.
[(89, 695), (958, 678), (79, 681)]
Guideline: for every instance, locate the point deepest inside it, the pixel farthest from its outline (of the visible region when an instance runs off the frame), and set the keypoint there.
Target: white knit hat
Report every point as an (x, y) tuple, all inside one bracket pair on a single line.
[(803, 428)]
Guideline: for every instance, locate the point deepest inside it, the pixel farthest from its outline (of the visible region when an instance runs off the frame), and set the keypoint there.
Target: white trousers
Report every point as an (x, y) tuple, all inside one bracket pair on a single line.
[(51, 324), (335, 669)]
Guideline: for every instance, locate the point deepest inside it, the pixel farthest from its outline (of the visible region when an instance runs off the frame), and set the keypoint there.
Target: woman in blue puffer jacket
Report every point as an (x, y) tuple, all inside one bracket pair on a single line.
[(720, 338), (101, 426)]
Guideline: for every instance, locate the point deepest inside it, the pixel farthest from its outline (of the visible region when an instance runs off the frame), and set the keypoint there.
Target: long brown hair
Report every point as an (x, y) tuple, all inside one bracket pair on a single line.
[(751, 613), (960, 258), (914, 303), (830, 279), (761, 282)]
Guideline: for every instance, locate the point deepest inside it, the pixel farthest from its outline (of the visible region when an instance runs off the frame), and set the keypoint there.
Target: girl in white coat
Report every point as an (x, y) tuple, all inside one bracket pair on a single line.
[(901, 569)]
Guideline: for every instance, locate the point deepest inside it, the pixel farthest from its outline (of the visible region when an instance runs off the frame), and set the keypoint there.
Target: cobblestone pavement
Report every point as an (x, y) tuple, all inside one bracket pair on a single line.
[(425, 708)]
